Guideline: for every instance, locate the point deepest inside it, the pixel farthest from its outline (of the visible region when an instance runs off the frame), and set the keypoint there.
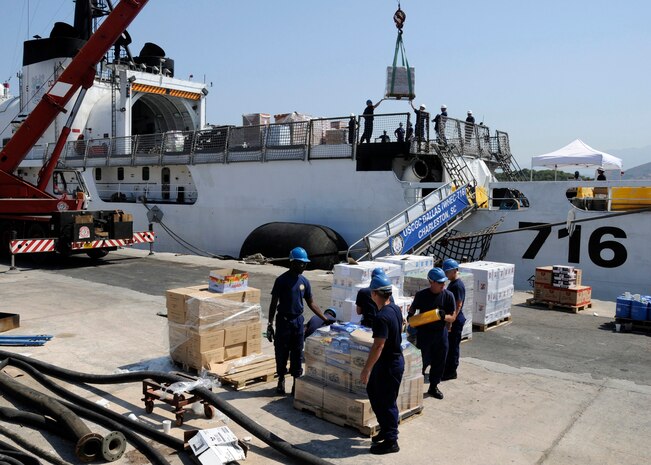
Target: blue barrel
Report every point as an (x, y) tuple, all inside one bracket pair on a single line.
[(623, 308), (639, 310)]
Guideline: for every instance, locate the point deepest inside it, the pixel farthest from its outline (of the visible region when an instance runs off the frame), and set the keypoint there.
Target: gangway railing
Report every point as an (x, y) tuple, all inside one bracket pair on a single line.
[(419, 225), (505, 158)]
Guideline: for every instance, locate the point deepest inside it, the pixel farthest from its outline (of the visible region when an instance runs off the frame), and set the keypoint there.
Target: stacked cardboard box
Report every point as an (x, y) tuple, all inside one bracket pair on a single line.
[(349, 279), (207, 327), (492, 290), (561, 284), (334, 358)]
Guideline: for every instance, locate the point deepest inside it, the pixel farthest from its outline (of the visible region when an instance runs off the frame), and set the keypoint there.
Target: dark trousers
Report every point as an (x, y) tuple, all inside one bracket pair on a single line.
[(434, 349), (382, 388), (454, 342), (368, 132), (288, 345)]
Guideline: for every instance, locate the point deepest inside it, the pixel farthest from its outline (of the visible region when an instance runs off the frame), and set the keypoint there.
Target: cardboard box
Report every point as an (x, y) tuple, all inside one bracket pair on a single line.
[(309, 392), (178, 342), (235, 351), (250, 294), (546, 292), (213, 311), (200, 360), (335, 402), (254, 331), (235, 335), (544, 275), (228, 280), (216, 446), (205, 341), (254, 346), (360, 411), (315, 348), (337, 377), (575, 295)]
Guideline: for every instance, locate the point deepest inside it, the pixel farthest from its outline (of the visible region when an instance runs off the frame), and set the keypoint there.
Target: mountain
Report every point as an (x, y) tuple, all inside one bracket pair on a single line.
[(638, 172), (633, 159)]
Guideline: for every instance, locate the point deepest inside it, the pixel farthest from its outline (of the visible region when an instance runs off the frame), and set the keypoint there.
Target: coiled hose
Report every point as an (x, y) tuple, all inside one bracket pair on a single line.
[(234, 414)]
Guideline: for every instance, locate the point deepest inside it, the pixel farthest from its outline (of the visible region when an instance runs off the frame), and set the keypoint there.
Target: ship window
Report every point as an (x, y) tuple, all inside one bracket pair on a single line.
[(98, 174), (120, 174), (5, 141), (145, 173)]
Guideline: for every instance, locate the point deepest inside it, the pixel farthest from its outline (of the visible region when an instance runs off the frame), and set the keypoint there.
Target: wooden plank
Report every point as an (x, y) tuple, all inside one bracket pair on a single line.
[(9, 321), (493, 324), (556, 305)]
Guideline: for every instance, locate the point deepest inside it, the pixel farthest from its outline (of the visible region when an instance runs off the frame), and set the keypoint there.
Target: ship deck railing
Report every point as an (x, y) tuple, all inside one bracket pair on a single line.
[(313, 139)]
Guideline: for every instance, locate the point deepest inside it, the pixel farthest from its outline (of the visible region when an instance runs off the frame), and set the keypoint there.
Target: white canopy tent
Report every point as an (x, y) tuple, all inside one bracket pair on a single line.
[(578, 154)]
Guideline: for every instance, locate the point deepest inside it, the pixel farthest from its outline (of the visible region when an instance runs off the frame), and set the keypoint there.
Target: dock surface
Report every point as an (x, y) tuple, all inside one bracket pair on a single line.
[(552, 387)]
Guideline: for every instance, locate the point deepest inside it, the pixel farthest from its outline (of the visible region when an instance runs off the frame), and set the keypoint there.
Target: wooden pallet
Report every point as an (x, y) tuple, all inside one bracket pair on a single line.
[(634, 325), (557, 306), (367, 430), (481, 327), (244, 376)]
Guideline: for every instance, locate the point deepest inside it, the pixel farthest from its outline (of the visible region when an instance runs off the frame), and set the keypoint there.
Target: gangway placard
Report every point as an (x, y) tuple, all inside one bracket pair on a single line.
[(421, 222), (428, 223)]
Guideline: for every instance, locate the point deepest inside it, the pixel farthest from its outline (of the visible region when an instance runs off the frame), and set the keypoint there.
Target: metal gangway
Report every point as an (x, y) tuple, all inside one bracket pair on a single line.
[(505, 159), (421, 224)]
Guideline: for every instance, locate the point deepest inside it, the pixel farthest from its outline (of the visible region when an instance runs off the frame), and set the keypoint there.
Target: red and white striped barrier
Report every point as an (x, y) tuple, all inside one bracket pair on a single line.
[(48, 245), (32, 246)]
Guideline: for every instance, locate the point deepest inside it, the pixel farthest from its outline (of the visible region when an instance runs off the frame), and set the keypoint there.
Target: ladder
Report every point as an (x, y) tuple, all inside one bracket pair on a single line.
[(419, 225), (505, 160), (455, 164)]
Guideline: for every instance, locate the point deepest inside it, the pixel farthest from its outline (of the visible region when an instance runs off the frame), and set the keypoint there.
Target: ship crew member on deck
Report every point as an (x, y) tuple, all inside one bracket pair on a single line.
[(470, 126), (287, 294), (439, 123), (422, 116), (315, 322), (384, 367), (458, 290), (365, 304), (433, 337), (368, 121), (352, 129), (399, 133), (384, 138), (600, 174)]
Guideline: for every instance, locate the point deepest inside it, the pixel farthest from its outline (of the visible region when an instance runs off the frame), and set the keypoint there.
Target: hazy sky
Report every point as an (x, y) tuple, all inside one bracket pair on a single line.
[(545, 72)]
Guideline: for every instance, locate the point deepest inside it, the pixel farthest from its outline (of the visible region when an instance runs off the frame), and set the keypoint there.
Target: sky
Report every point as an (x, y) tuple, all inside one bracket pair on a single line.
[(545, 72)]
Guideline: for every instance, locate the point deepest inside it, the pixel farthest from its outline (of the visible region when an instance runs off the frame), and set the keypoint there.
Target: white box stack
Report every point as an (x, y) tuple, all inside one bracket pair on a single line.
[(563, 276), (349, 279), (469, 303), (493, 290), (410, 265)]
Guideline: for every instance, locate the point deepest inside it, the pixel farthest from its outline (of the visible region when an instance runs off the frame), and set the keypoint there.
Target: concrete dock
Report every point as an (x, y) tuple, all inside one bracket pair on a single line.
[(551, 387)]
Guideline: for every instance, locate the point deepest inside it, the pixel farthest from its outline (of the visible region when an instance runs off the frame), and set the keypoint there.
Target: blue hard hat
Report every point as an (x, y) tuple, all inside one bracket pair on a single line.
[(298, 253), (437, 274), (380, 283), (369, 102), (450, 264), (377, 272), (332, 311)]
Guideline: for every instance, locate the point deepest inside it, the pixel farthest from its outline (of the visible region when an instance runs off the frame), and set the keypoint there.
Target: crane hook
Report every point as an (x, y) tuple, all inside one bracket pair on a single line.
[(399, 18)]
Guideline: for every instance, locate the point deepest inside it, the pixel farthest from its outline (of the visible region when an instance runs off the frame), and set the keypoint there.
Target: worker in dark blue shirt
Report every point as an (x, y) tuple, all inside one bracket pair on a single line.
[(432, 338), (365, 305), (368, 121), (384, 367), (315, 322), (458, 290), (287, 295)]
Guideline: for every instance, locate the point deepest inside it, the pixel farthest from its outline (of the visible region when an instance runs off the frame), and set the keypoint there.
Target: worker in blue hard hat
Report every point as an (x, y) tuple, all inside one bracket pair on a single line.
[(458, 290), (368, 117), (315, 322), (287, 295), (384, 366), (432, 338), (365, 305)]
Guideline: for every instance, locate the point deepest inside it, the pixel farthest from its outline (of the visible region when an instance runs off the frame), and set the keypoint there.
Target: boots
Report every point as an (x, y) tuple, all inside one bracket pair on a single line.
[(280, 389)]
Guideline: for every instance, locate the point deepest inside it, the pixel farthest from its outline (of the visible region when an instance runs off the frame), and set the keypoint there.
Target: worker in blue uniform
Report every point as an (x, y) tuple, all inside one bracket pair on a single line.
[(287, 295), (315, 322), (384, 367), (433, 337), (365, 305), (458, 290)]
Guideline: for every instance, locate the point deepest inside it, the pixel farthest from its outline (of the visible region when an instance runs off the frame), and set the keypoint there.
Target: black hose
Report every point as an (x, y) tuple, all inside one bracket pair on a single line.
[(26, 459), (100, 417), (27, 445), (33, 420), (9, 460), (238, 417), (142, 428), (88, 444)]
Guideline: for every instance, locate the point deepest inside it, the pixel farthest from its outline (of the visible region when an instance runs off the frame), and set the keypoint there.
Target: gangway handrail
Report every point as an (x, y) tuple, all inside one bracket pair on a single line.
[(402, 220)]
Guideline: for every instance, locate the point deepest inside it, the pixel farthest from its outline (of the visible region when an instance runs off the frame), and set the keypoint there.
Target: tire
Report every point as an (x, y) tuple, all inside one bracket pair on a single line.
[(96, 254)]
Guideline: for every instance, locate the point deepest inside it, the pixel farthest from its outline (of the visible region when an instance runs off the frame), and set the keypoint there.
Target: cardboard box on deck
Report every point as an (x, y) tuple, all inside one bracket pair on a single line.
[(575, 295), (254, 346), (350, 406), (217, 312), (235, 351), (546, 292), (543, 275), (337, 377), (206, 341), (177, 299), (200, 360), (227, 280), (235, 335), (254, 331)]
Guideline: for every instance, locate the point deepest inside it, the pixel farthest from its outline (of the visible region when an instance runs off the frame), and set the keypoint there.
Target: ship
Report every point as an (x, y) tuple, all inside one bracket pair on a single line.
[(140, 143)]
